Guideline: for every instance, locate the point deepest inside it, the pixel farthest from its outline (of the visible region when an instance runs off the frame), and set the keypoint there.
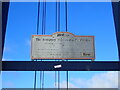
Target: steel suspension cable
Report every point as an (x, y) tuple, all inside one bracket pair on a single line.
[(43, 32), (67, 78), (58, 80), (55, 79), (56, 31), (56, 18), (43, 81), (40, 79), (38, 17), (43, 19), (66, 14), (35, 81), (41, 72), (58, 15), (37, 34)]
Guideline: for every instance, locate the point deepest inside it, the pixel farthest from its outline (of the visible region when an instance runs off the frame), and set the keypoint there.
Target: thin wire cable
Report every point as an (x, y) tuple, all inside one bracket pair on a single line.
[(66, 15), (58, 15), (55, 78), (38, 17), (43, 32), (35, 81), (58, 80), (41, 72), (40, 79), (67, 78), (43, 19), (37, 34), (66, 12), (56, 18), (56, 29), (43, 81)]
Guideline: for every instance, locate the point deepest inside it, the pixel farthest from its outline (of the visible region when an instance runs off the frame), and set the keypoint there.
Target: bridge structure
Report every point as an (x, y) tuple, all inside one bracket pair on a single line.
[(49, 65)]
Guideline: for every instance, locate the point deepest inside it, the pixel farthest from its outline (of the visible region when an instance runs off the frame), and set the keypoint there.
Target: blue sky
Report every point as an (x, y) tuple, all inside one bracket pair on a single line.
[(89, 18)]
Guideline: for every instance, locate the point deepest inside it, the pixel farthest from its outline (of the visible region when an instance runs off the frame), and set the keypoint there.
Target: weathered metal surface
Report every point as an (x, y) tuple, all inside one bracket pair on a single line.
[(62, 45)]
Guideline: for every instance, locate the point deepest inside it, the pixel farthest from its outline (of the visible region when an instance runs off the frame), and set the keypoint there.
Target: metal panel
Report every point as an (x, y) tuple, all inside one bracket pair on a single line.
[(65, 66), (62, 45)]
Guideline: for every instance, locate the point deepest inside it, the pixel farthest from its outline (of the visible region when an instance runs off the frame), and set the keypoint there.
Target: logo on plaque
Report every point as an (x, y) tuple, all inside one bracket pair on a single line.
[(62, 45)]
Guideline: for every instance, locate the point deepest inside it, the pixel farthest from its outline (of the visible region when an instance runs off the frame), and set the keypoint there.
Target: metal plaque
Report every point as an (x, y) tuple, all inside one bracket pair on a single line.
[(62, 45)]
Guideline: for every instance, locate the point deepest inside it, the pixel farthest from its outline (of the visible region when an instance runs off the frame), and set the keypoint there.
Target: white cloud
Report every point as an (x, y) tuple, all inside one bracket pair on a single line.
[(103, 80), (63, 84), (28, 42)]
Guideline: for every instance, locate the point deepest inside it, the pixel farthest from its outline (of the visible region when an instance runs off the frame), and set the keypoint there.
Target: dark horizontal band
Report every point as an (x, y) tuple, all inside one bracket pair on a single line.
[(60, 65)]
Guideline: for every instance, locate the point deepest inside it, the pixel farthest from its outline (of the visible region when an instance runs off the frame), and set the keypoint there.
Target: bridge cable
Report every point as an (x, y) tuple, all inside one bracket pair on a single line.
[(56, 5), (58, 31), (35, 81), (37, 34), (43, 32), (66, 14), (58, 15)]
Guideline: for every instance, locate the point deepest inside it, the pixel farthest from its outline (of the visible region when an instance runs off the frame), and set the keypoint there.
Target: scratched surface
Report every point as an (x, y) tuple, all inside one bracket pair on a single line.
[(62, 45)]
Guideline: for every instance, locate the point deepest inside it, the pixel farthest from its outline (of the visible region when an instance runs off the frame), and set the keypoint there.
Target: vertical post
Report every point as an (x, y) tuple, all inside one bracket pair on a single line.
[(4, 6), (116, 14), (0, 36)]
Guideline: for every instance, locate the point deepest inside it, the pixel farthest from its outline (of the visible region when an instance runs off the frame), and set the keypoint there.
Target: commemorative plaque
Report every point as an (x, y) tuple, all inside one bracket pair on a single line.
[(62, 45)]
